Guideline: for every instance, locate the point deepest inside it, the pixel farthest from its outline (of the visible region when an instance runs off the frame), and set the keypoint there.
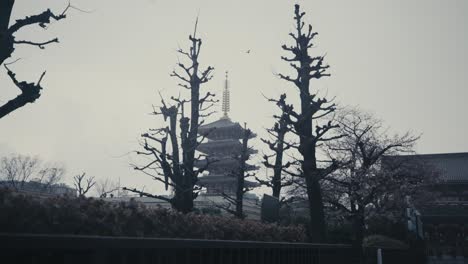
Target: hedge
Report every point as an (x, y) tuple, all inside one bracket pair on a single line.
[(379, 241), (88, 216)]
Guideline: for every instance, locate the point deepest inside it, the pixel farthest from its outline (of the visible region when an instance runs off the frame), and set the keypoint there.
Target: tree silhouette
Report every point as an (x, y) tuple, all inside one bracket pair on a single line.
[(278, 145), (172, 159), (30, 91), (106, 187), (311, 109), (83, 184), (366, 184), (18, 170), (241, 173)]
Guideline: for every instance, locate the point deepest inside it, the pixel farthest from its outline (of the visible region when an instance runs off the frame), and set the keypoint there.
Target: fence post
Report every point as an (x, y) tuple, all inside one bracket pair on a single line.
[(379, 256)]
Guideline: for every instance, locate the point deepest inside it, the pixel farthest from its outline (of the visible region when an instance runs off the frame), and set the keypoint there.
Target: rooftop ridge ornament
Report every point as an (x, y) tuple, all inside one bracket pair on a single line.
[(226, 99)]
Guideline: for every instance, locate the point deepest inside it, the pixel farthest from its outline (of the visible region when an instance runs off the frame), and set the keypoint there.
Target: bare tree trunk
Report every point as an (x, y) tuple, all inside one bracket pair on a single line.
[(183, 202), (279, 147), (244, 156), (6, 49), (14, 104), (240, 196), (277, 180), (177, 169), (359, 228), (6, 6), (316, 212), (189, 151), (240, 173), (312, 108), (6, 42), (307, 148), (278, 169), (29, 91)]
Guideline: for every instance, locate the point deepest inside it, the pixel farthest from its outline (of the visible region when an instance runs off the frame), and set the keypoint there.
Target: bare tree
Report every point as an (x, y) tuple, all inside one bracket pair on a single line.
[(18, 169), (365, 185), (172, 152), (83, 183), (30, 91), (51, 175), (278, 145), (303, 121), (106, 187), (241, 173)]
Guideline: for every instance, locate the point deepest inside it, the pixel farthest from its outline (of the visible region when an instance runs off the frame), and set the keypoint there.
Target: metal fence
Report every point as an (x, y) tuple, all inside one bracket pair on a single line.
[(70, 249)]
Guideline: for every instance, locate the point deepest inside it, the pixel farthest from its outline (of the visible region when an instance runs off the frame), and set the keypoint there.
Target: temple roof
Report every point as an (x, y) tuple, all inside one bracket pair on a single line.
[(221, 123), (229, 146), (223, 128), (212, 179), (220, 146), (452, 167), (444, 213), (223, 163)]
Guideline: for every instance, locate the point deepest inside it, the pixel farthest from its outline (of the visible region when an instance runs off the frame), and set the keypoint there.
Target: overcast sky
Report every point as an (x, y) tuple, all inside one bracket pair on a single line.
[(404, 61)]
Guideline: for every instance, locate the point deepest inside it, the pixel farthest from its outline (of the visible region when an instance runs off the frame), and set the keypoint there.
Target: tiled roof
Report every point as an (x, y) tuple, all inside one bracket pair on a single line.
[(223, 128), (226, 162), (230, 146), (453, 167), (223, 178), (444, 210), (223, 122)]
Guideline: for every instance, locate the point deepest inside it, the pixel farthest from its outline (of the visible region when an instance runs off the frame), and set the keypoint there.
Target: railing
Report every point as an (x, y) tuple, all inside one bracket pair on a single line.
[(71, 249)]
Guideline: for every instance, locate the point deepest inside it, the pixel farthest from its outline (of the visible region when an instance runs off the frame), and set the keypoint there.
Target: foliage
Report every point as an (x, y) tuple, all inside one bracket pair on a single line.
[(366, 184), (208, 211), (342, 234), (394, 228), (88, 216)]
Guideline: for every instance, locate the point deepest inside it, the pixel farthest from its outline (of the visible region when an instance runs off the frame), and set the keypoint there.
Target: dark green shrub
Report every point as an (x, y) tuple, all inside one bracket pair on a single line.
[(394, 228), (88, 216), (379, 241)]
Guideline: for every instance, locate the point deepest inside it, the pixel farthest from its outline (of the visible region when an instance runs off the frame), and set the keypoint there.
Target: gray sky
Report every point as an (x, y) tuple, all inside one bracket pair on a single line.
[(405, 61)]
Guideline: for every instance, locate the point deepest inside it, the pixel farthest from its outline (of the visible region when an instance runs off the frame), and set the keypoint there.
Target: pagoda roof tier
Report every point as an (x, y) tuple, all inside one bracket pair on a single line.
[(226, 146), (223, 128), (227, 162), (214, 179)]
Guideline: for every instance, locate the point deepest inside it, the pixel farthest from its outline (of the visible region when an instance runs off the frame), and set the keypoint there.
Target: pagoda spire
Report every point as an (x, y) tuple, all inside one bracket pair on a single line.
[(226, 101)]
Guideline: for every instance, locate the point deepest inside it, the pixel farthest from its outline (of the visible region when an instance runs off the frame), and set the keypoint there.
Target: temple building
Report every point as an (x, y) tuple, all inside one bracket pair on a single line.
[(443, 224), (222, 148)]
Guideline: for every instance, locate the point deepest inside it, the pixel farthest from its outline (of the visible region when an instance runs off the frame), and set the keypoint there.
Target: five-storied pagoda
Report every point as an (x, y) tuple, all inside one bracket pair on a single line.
[(222, 147)]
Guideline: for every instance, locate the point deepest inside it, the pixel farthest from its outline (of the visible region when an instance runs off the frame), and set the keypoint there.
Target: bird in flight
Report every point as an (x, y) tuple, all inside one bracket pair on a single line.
[(248, 51)]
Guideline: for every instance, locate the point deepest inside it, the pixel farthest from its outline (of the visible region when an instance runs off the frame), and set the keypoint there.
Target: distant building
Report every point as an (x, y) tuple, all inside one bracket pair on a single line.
[(37, 188), (222, 146), (444, 223)]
